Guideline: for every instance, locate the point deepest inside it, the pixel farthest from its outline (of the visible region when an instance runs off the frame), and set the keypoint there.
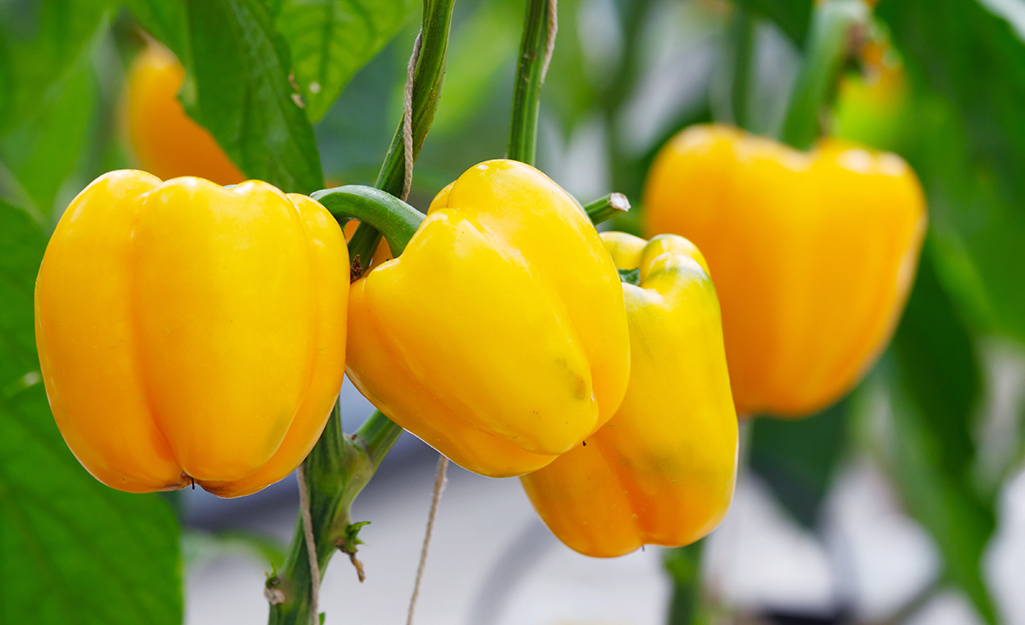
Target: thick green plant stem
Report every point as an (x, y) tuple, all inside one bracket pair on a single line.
[(607, 207), (427, 79), (336, 471), (387, 214), (529, 78), (339, 466), (742, 32), (837, 27)]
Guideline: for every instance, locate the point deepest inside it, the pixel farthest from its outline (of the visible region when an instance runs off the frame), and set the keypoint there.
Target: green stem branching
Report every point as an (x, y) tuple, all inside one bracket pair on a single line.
[(384, 212), (336, 471), (340, 466), (427, 79)]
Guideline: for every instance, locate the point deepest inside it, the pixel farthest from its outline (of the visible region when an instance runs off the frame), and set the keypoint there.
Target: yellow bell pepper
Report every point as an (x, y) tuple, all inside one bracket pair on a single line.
[(165, 140), (812, 254), (499, 335), (662, 470), (189, 333)]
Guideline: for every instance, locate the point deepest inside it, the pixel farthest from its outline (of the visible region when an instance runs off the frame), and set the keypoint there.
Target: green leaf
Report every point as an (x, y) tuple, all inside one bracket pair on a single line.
[(967, 66), (42, 152), (331, 40), (165, 20), (72, 551), (938, 383), (798, 458), (238, 87), (35, 59)]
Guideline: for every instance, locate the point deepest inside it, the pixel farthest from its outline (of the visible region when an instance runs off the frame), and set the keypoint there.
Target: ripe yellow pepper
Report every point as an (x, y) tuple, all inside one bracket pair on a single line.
[(812, 254), (191, 333), (499, 335), (165, 140), (662, 470)]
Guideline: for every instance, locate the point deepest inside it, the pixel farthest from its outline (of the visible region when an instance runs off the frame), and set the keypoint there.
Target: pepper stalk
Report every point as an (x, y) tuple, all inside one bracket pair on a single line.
[(430, 71), (340, 466)]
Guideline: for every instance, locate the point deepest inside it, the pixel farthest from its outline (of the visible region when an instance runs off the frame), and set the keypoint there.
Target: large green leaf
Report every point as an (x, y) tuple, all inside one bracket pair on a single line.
[(936, 388), (44, 150), (331, 40), (41, 52), (165, 20), (968, 69), (72, 551), (239, 88)]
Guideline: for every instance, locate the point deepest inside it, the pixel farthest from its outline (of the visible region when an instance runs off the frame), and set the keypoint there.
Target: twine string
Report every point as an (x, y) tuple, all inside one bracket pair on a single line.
[(311, 545), (439, 485), (407, 117)]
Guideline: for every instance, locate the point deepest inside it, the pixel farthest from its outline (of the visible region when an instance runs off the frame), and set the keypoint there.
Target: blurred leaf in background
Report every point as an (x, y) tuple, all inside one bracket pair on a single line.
[(967, 66), (240, 87), (39, 41), (71, 549), (43, 151), (938, 385), (935, 383)]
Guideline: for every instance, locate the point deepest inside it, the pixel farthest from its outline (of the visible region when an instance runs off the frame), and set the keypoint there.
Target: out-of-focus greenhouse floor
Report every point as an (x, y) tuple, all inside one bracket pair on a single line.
[(493, 563)]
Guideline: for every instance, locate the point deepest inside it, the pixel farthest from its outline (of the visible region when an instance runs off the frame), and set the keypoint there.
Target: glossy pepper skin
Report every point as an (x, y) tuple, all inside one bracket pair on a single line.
[(499, 335), (662, 470), (812, 254), (191, 332), (165, 140)]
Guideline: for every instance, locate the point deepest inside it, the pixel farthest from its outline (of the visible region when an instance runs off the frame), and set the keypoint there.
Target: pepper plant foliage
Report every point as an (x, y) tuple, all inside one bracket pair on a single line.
[(263, 76), (71, 550)]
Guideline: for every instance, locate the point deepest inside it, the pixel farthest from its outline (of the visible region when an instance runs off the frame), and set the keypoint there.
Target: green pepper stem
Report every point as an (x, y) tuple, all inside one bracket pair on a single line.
[(529, 79), (336, 471), (339, 466), (607, 207), (383, 211), (427, 79), (837, 26)]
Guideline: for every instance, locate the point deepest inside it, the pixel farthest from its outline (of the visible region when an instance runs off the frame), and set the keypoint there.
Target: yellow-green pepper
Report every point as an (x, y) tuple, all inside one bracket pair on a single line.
[(189, 333), (499, 335), (662, 470)]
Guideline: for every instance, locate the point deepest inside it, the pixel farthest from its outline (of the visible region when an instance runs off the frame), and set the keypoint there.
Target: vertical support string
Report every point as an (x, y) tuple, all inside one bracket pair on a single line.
[(311, 545), (439, 485)]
